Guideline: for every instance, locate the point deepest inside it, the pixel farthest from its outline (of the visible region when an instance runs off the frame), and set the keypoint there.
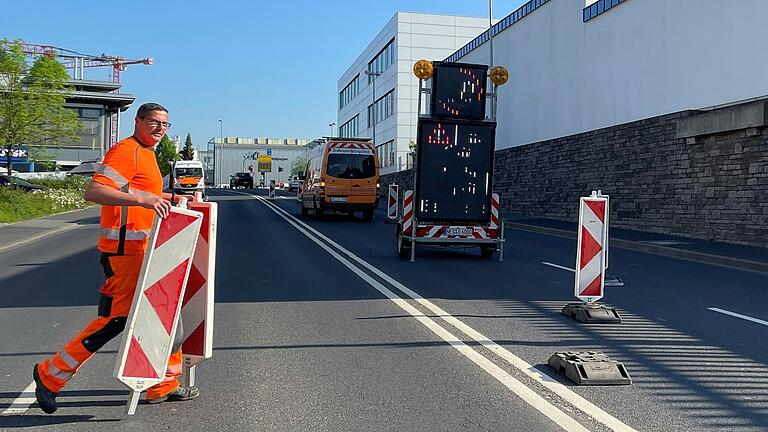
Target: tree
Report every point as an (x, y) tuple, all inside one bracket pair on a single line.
[(165, 154), (299, 165), (32, 101), (188, 152)]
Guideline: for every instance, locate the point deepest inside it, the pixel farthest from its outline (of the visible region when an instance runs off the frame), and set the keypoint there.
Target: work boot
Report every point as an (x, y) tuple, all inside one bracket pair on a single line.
[(46, 399), (180, 393)]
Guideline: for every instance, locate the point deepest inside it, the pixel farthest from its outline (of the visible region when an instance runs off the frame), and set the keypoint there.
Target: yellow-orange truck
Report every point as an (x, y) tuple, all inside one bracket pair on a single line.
[(341, 175)]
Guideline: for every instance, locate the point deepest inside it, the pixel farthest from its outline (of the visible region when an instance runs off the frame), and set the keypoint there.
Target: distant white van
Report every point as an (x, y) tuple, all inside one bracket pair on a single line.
[(188, 177)]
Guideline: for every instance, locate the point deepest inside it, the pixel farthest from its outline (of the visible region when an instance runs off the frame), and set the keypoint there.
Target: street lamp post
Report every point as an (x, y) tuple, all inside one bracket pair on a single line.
[(374, 75), (331, 125), (221, 140)]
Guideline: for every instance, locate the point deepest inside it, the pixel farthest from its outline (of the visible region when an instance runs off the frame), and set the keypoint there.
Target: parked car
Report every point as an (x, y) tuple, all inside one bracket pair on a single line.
[(241, 179), (295, 183), (14, 182)]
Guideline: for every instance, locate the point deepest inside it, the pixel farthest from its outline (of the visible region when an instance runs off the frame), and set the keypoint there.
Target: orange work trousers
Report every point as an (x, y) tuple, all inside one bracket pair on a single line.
[(122, 273)]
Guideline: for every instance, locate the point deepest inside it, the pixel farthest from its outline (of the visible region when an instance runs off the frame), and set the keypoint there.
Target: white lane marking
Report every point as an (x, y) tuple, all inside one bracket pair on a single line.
[(544, 379), (521, 390), (558, 266), (22, 403), (50, 233), (738, 315)]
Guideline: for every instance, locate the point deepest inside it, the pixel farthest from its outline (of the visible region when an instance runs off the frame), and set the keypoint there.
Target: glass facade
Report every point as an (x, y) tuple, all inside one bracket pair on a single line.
[(349, 129), (91, 134), (382, 109), (386, 154), (383, 60), (349, 92)]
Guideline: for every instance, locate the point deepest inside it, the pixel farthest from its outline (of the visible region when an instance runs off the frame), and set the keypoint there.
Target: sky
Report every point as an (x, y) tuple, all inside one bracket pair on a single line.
[(265, 68)]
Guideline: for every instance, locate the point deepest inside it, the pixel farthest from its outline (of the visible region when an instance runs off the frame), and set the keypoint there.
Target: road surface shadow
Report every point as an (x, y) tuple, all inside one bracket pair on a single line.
[(23, 421)]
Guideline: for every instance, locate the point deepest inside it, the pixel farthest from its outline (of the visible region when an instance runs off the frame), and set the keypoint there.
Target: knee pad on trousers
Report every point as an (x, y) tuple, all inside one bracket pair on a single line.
[(98, 339)]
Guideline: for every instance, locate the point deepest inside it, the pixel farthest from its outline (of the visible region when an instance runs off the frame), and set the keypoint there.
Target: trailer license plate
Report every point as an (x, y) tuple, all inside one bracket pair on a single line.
[(458, 231), (338, 199)]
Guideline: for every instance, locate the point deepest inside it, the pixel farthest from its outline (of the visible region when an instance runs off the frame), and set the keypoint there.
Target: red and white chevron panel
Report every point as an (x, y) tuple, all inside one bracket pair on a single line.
[(148, 336), (392, 210), (407, 211), (197, 306), (591, 248), (351, 145), (494, 211)]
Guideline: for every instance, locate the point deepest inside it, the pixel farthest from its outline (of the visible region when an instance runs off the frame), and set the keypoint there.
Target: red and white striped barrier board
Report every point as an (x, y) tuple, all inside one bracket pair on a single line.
[(591, 248), (392, 210), (197, 305), (494, 212), (408, 211), (148, 337)]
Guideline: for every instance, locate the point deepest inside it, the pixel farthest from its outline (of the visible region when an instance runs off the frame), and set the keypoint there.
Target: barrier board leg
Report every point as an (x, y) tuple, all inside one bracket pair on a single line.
[(133, 402), (501, 249), (189, 376), (413, 249)]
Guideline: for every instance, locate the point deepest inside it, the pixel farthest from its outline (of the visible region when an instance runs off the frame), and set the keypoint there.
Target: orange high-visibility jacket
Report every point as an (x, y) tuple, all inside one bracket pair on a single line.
[(130, 167)]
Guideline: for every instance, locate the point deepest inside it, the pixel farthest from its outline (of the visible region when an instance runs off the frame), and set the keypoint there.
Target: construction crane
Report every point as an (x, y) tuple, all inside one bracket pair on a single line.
[(78, 62)]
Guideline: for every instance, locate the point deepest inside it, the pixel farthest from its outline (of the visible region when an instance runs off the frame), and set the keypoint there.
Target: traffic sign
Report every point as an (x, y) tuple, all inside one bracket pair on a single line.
[(454, 170), (265, 163), (269, 152), (591, 248), (458, 90)]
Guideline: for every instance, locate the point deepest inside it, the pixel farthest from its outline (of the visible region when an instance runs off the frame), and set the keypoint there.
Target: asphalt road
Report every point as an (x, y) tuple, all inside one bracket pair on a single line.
[(317, 328)]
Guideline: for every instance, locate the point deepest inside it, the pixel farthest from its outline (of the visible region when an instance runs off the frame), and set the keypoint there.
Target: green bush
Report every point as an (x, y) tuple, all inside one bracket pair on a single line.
[(60, 196)]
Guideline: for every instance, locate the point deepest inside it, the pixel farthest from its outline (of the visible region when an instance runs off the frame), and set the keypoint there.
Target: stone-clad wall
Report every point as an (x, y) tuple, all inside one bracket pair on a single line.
[(698, 174)]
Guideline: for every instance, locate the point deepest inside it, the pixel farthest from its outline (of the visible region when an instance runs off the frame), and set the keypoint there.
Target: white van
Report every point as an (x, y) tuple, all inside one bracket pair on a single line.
[(188, 177)]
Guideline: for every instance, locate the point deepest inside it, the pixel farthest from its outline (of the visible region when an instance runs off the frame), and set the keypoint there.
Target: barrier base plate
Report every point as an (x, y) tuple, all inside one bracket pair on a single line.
[(613, 281), (592, 313), (590, 368)]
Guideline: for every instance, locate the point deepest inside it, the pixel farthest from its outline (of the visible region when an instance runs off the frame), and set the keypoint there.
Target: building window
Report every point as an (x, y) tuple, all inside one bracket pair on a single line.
[(90, 135), (596, 7), (381, 109), (383, 60), (349, 92), (349, 129), (386, 153)]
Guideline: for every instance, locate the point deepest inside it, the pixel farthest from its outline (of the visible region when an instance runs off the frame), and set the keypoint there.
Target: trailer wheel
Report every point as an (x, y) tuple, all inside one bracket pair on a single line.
[(403, 244), (487, 251)]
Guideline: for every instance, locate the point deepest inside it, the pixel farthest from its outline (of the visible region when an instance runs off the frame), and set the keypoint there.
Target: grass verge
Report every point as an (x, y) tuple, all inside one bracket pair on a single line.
[(60, 196)]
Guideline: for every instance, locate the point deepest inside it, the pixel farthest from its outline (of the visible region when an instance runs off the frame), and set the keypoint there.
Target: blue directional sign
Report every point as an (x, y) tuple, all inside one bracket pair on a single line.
[(269, 152)]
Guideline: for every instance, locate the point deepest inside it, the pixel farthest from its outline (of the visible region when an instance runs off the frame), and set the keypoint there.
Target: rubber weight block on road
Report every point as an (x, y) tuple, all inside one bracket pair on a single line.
[(592, 313), (590, 368)]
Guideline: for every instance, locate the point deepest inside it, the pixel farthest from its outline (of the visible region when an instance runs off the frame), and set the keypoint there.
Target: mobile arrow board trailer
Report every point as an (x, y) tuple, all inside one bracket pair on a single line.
[(452, 203)]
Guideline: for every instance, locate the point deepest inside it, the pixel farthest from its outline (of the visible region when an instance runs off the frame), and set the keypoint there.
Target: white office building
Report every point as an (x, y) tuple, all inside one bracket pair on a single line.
[(577, 66), (388, 61)]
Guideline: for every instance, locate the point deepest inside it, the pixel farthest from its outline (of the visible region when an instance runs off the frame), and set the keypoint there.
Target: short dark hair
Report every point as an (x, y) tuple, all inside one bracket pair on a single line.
[(145, 109)]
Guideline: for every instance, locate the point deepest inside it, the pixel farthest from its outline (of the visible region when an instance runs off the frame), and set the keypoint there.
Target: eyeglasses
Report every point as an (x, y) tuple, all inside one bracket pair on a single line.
[(156, 123)]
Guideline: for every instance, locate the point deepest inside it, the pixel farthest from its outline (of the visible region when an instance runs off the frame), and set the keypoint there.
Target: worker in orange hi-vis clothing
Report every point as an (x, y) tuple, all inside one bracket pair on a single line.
[(129, 187)]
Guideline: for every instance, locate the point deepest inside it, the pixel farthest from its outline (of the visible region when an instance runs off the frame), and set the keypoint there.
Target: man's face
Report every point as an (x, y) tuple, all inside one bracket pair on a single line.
[(151, 129)]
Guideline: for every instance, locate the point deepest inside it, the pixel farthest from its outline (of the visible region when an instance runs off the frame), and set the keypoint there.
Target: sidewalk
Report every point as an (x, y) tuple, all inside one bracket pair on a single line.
[(22, 233), (743, 257)]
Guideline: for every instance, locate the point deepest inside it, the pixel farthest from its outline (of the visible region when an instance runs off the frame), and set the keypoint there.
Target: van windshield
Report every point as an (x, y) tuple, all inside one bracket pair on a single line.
[(351, 166), (189, 172)]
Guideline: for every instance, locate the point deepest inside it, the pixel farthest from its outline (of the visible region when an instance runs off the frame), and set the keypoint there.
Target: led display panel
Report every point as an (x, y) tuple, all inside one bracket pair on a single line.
[(458, 91), (454, 170)]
